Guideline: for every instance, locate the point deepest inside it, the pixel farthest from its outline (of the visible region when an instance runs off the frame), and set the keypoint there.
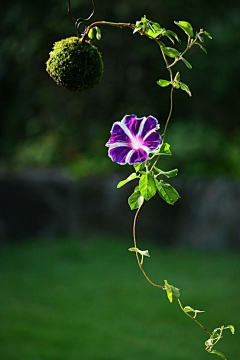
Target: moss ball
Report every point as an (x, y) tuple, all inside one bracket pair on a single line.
[(74, 64)]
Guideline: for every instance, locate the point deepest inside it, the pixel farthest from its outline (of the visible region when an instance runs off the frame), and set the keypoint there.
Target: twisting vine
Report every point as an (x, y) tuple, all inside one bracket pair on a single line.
[(136, 141)]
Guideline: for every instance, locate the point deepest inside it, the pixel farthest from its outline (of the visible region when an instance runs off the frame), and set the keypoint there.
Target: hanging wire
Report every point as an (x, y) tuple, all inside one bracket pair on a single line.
[(80, 21)]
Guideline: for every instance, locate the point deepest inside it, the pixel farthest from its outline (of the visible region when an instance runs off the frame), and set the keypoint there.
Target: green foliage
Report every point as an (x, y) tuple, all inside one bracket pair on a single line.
[(168, 174), (74, 64), (186, 27), (136, 199), (167, 192), (173, 293), (147, 186), (171, 52), (165, 149), (130, 178)]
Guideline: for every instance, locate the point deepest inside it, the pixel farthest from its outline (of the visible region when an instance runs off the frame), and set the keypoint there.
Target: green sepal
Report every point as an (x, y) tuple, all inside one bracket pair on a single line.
[(173, 293), (130, 178), (136, 199), (163, 83), (171, 52), (188, 65), (147, 186), (167, 192), (168, 174), (186, 27)]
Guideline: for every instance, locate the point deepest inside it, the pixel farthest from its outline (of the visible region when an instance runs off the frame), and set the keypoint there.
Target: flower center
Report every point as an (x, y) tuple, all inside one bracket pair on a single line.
[(136, 142)]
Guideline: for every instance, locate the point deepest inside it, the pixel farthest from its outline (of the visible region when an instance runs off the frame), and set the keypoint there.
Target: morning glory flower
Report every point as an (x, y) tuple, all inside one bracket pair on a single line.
[(133, 139)]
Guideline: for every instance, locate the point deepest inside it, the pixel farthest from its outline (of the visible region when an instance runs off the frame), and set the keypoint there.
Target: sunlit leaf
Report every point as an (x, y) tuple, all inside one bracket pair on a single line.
[(135, 200), (185, 88), (186, 27), (163, 83), (167, 192), (201, 47), (147, 186), (130, 178), (188, 65), (173, 293), (171, 52), (168, 174)]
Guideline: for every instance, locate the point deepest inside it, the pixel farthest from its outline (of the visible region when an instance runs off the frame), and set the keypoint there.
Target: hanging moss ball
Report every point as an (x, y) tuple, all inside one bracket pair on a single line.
[(74, 64)]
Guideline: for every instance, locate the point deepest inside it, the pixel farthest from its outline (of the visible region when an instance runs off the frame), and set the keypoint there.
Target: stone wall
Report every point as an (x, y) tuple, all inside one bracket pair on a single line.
[(48, 203)]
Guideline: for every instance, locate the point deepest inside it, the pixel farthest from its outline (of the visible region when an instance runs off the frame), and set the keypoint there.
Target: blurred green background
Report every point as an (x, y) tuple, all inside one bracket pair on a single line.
[(45, 125), (85, 299)]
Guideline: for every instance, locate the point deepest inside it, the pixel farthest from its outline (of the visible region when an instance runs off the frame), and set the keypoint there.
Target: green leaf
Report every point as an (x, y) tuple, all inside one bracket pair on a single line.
[(188, 65), (171, 52), (91, 33), (219, 354), (163, 83), (130, 178), (135, 200), (168, 174), (147, 186), (185, 26), (185, 88), (167, 192), (165, 149), (208, 34), (173, 293), (188, 309), (139, 167), (201, 47), (201, 38), (141, 252), (98, 33), (232, 328), (173, 34), (177, 77)]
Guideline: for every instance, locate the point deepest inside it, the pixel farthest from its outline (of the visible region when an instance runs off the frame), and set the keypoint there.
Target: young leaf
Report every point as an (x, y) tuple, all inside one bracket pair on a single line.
[(139, 167), (171, 52), (208, 35), (168, 174), (167, 192), (188, 65), (135, 200), (147, 186), (141, 252), (185, 26), (163, 83), (201, 38), (232, 328), (177, 77), (188, 309), (130, 178), (201, 47), (173, 293), (98, 33), (91, 33), (185, 88), (173, 34), (165, 149)]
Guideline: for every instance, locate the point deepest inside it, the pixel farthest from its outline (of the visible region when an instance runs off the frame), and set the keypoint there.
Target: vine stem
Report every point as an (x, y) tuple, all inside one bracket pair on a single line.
[(194, 319), (137, 256), (129, 25)]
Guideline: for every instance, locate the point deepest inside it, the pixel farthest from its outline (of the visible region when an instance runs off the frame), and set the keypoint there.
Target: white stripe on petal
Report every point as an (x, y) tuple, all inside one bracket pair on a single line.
[(118, 144), (129, 155), (126, 130), (141, 126), (149, 133)]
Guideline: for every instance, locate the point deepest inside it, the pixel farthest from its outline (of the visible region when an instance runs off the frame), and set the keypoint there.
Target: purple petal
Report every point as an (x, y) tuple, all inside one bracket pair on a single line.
[(138, 156), (152, 140), (119, 154), (149, 123), (117, 134), (132, 123)]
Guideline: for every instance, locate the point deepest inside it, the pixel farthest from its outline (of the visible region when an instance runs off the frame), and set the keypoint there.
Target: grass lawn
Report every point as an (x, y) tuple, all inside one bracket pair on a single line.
[(86, 299)]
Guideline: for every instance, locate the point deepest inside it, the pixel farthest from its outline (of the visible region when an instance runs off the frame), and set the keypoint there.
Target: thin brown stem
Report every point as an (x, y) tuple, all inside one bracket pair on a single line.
[(120, 25), (192, 318), (137, 256)]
